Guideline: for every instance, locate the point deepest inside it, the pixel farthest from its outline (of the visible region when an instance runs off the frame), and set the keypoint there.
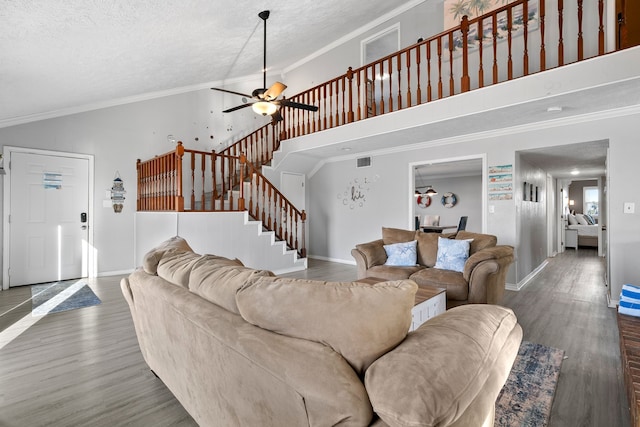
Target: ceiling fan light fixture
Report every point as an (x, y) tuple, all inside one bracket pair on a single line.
[(431, 191), (264, 108)]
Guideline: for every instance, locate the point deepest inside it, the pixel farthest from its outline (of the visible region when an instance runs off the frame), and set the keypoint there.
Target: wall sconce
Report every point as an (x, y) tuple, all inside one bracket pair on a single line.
[(117, 193), (572, 202)]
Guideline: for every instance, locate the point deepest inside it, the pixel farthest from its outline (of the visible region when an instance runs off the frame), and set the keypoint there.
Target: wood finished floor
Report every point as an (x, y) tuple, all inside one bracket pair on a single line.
[(84, 368)]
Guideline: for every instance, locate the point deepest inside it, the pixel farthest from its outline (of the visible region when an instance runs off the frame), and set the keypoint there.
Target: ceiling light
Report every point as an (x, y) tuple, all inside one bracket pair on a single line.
[(575, 172), (431, 191), (554, 109), (264, 108)]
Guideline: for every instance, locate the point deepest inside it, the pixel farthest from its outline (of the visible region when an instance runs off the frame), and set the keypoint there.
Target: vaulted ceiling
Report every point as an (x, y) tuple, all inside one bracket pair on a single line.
[(63, 55)]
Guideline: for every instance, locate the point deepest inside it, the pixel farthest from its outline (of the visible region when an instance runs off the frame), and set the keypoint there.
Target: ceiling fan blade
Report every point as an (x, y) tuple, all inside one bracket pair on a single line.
[(287, 103), (230, 91), (274, 91), (239, 107)]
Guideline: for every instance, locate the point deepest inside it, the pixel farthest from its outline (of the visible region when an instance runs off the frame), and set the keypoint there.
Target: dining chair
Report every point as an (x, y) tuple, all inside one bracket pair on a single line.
[(463, 223)]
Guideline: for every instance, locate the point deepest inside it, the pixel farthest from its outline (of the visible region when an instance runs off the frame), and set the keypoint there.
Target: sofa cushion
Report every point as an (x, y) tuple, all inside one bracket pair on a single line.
[(397, 235), (359, 321), (175, 266), (373, 252), (153, 257), (401, 254), (392, 272), (217, 280), (452, 254), (480, 241), (436, 388), (455, 284), (427, 248)]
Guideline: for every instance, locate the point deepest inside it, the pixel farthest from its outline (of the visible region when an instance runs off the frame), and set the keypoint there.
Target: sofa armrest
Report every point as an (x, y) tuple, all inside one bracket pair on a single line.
[(449, 371), (367, 255), (486, 272)]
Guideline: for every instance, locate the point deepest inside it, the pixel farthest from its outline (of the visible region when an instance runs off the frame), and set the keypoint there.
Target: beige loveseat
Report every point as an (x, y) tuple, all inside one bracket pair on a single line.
[(240, 347), (481, 282)]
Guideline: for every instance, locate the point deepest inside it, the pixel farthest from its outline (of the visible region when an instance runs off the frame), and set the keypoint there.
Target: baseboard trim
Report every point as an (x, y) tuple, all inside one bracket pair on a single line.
[(521, 284), (340, 261), (116, 273)]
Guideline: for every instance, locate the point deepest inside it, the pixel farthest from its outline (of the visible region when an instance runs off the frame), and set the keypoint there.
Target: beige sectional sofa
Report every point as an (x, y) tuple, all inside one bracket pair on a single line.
[(241, 347), (482, 281)]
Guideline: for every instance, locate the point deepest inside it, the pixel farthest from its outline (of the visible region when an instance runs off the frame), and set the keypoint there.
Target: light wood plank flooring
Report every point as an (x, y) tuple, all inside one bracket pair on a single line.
[(84, 368)]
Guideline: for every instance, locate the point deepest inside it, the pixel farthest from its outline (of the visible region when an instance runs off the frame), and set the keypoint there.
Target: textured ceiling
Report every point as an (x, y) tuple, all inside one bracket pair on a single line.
[(61, 55)]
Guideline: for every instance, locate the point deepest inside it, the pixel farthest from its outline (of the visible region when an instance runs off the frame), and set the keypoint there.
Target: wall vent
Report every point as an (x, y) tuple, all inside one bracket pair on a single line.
[(363, 162)]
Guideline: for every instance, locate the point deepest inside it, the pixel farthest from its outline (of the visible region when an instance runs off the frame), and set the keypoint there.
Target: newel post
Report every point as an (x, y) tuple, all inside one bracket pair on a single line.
[(179, 196), (243, 165), (303, 249), (465, 81), (350, 95)]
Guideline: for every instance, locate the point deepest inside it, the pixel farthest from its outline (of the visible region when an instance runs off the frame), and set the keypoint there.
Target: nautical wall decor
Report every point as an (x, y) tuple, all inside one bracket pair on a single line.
[(117, 193)]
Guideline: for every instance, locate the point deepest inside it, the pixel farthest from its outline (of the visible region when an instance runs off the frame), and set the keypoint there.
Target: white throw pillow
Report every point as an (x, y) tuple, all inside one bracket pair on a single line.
[(581, 220), (572, 220)]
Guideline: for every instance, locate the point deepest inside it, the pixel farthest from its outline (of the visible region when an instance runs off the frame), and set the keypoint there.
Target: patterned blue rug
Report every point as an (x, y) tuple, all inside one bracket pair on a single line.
[(527, 396), (61, 296)]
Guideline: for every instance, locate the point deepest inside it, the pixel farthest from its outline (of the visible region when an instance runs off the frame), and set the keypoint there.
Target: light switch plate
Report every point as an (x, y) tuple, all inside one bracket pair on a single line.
[(492, 209), (629, 207)]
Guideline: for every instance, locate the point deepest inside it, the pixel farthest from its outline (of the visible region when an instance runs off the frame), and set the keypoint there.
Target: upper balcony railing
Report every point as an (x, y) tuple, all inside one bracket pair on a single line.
[(515, 40)]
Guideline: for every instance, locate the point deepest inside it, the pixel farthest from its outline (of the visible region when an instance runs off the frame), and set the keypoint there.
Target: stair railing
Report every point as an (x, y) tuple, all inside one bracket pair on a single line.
[(218, 182)]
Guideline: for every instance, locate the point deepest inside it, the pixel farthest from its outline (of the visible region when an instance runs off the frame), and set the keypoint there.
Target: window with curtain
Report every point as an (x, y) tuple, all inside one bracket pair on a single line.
[(590, 201)]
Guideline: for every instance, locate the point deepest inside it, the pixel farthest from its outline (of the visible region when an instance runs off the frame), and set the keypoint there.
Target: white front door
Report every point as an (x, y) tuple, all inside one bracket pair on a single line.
[(48, 224)]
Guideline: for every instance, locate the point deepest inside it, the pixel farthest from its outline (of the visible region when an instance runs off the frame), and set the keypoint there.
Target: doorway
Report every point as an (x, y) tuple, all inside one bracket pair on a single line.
[(48, 199), (628, 20)]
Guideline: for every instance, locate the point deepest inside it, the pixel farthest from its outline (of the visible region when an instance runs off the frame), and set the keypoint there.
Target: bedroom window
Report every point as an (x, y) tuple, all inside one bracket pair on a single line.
[(590, 198)]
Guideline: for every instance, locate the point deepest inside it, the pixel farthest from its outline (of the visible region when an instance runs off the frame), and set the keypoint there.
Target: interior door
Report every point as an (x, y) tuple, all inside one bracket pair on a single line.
[(628, 17), (48, 226)]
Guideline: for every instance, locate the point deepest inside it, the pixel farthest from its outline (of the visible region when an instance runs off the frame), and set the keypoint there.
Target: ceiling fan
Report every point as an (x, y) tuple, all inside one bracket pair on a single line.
[(264, 101)]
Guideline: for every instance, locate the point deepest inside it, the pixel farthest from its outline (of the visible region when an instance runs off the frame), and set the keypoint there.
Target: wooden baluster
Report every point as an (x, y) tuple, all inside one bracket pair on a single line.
[(214, 184), (359, 94), (408, 59), (600, 27), (429, 98), (203, 167), (418, 88), (580, 40), (307, 98), (372, 83), (337, 98), (280, 215), (264, 201), (560, 39), (344, 100), (379, 77), (223, 172), (451, 81), (269, 207), (193, 180), (243, 166), (138, 185), (295, 232), (439, 67), (494, 26), (154, 172), (161, 183), (480, 58), (525, 21), (509, 34), (399, 73), (287, 230), (324, 101), (543, 53), (465, 80), (390, 68)]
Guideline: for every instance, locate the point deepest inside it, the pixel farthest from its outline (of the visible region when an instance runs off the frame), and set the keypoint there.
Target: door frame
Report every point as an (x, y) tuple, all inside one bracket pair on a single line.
[(6, 238)]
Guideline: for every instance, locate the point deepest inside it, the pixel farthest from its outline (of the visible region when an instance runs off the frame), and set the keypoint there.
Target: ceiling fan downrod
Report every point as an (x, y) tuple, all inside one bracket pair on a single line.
[(264, 15)]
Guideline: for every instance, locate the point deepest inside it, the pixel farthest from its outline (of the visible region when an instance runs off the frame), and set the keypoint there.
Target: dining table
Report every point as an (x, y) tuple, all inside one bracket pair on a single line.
[(436, 228)]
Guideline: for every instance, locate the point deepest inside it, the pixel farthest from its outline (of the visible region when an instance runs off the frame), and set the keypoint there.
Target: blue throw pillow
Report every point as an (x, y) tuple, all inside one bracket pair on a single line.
[(452, 254), (401, 254)]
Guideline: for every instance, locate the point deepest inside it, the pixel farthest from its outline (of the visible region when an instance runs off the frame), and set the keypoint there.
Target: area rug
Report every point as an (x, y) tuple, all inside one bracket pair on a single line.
[(61, 296), (527, 396)]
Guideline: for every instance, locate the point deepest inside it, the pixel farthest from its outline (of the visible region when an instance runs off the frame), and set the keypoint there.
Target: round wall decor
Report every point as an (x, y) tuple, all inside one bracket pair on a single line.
[(449, 200), (423, 201)]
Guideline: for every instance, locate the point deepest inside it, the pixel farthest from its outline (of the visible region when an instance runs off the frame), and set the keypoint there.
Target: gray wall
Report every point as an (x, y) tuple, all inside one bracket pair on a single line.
[(468, 191)]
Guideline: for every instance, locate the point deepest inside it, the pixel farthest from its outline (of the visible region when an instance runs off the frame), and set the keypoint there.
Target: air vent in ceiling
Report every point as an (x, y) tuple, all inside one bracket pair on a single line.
[(364, 162)]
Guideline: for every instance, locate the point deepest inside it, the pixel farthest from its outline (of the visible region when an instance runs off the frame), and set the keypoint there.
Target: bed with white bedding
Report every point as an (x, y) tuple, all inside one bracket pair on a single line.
[(587, 234)]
